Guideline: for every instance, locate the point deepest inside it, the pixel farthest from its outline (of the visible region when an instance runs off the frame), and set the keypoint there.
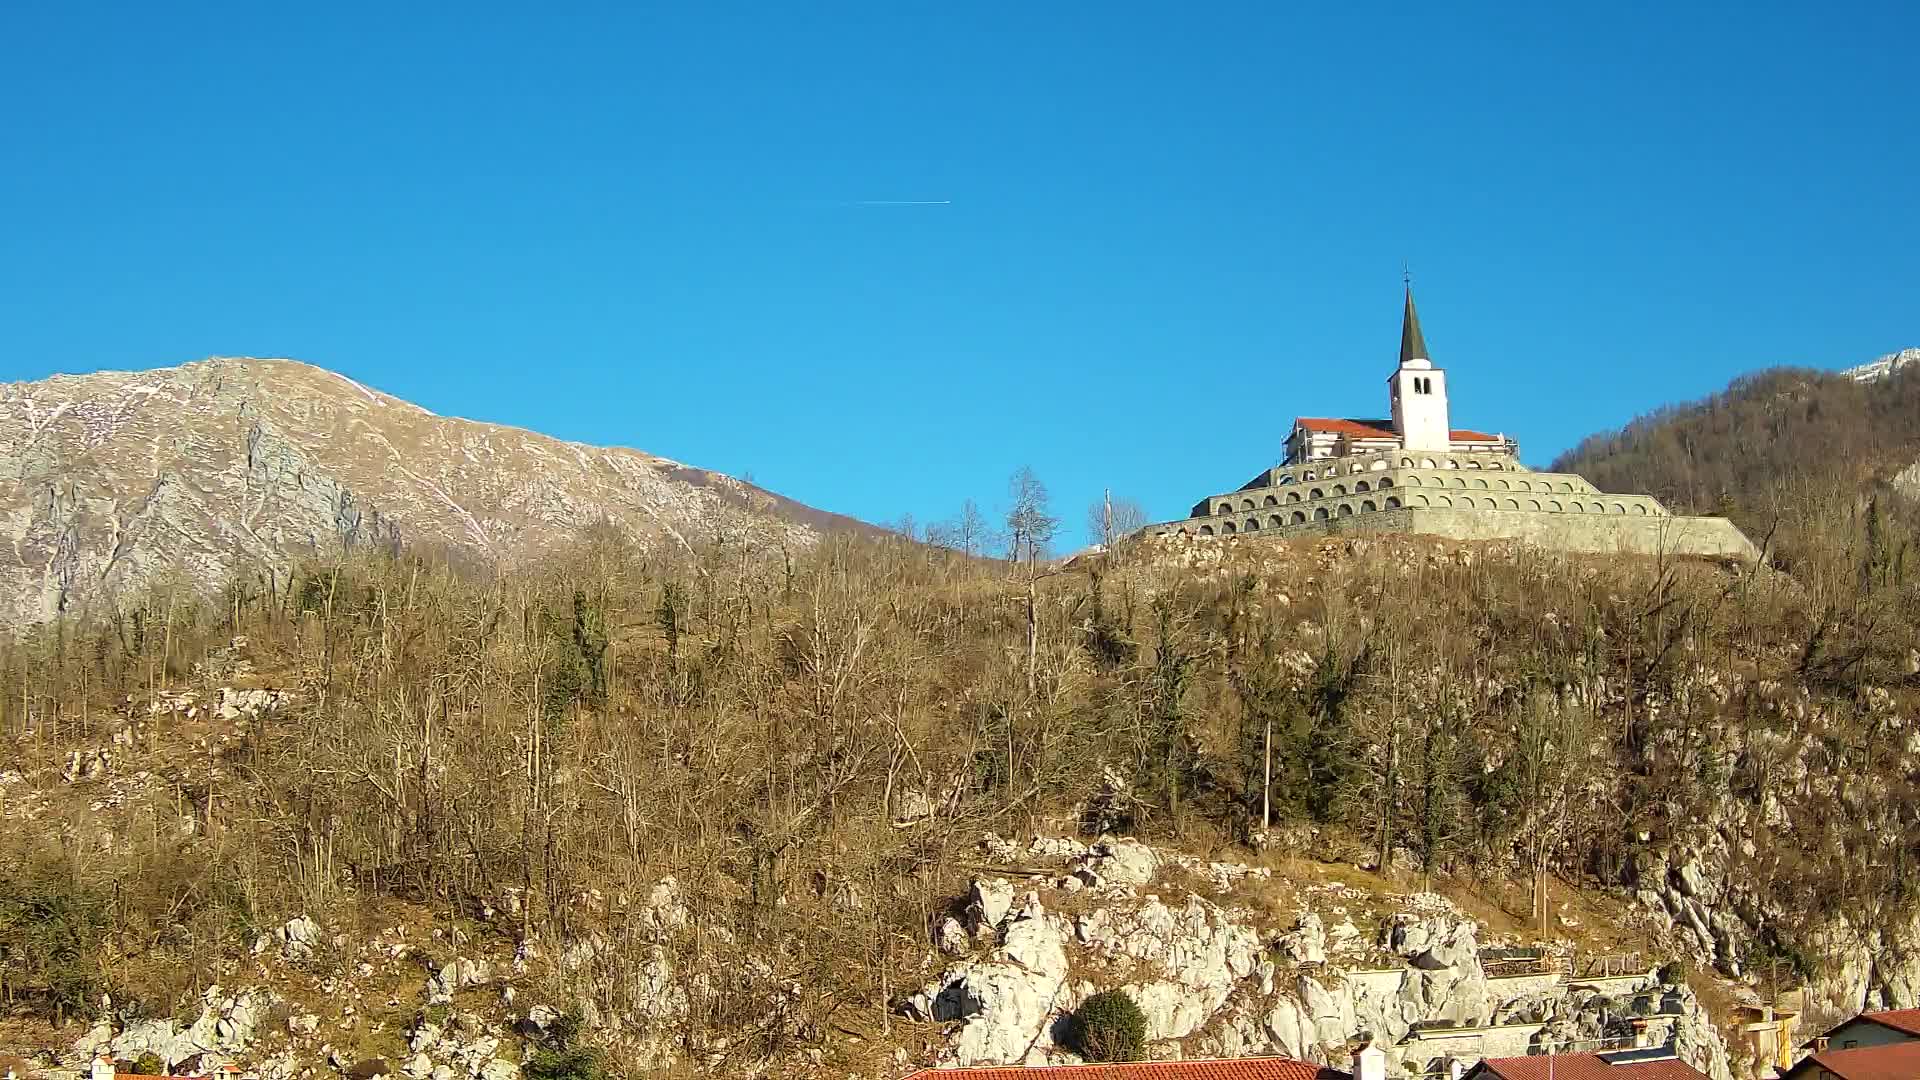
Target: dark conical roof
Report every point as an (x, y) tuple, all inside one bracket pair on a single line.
[(1413, 346)]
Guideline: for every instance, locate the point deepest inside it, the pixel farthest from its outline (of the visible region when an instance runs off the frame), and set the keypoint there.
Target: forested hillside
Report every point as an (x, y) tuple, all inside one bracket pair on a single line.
[(813, 747), (1767, 450)]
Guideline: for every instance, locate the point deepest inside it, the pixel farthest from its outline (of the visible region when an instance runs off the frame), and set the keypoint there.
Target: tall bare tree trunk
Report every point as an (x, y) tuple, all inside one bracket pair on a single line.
[(1266, 782)]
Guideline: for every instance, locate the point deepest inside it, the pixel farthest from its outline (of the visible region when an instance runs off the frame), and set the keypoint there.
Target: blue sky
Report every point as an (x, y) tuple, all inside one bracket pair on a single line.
[(1171, 228)]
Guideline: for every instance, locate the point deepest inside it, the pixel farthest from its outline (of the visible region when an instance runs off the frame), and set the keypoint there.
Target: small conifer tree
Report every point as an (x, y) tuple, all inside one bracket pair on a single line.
[(1109, 1027)]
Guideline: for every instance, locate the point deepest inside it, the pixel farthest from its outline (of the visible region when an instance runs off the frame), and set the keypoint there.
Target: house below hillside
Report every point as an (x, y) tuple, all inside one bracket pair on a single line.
[(1871, 1029), (1639, 1063), (1884, 1061)]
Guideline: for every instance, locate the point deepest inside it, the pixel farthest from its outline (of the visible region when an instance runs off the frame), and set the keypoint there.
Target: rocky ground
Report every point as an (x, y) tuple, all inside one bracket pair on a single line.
[(1224, 959), (1218, 976)]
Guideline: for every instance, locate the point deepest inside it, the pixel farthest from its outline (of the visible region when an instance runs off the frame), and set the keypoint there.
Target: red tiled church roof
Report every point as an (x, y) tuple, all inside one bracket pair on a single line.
[(1377, 429), (1225, 1069), (1893, 1061), (1353, 429), (1587, 1067)]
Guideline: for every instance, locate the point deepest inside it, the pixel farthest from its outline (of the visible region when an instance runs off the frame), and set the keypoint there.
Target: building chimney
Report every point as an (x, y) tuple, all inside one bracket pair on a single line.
[(1369, 1062), (102, 1068)]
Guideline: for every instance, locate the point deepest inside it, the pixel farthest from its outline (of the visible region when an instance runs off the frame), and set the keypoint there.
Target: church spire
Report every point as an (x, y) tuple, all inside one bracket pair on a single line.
[(1413, 345)]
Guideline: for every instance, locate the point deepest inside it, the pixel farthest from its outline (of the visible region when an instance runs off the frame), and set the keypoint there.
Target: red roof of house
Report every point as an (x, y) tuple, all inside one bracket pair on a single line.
[(1907, 1020), (1894, 1061), (1377, 429), (1588, 1067), (1222, 1069)]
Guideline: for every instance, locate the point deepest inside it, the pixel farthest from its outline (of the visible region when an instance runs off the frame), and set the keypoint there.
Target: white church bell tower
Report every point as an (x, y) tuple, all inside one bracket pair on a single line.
[(1419, 391)]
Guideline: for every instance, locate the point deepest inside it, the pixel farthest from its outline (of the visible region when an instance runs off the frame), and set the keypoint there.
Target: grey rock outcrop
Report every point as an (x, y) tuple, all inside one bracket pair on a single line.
[(128, 479), (1211, 982), (228, 1025)]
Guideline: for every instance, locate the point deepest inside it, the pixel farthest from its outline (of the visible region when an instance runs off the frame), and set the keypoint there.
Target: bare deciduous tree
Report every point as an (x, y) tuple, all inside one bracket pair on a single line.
[(1030, 521)]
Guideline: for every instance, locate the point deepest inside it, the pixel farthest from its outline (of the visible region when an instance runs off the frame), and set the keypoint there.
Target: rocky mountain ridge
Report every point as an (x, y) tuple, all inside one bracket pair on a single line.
[(239, 468), (1883, 367)]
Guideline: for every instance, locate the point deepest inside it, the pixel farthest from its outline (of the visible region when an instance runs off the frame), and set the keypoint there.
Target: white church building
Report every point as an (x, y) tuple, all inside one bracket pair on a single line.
[(1417, 395), (1414, 472)]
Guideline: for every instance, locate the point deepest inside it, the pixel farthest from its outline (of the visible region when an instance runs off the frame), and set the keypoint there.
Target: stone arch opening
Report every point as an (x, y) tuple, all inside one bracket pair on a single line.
[(1386, 482), (1459, 481), (1512, 504), (1378, 464), (1271, 500), (1246, 504), (1367, 507), (1274, 520), (1406, 463), (1393, 502), (1502, 485), (1599, 508), (1423, 500), (1640, 508), (1362, 486), (1339, 489), (1442, 500), (1299, 517), (1452, 464), (1320, 513), (1346, 509), (1228, 528), (1316, 493), (1253, 524), (1293, 496), (1427, 463), (1576, 508), (1283, 479), (1554, 505), (1533, 504), (1472, 464), (1481, 484), (1414, 481), (1619, 508), (1225, 508), (1206, 530)]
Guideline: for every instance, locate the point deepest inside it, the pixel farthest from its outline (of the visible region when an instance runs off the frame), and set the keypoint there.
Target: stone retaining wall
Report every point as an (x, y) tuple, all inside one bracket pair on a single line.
[(1672, 535)]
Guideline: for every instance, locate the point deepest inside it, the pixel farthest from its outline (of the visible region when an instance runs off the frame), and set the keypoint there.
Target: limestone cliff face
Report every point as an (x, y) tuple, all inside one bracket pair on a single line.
[(117, 481), (1218, 976)]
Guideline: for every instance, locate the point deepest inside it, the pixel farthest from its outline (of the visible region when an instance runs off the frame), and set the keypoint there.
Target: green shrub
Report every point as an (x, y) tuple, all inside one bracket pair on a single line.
[(1110, 1027), (563, 1057), (575, 1063), (1673, 973)]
